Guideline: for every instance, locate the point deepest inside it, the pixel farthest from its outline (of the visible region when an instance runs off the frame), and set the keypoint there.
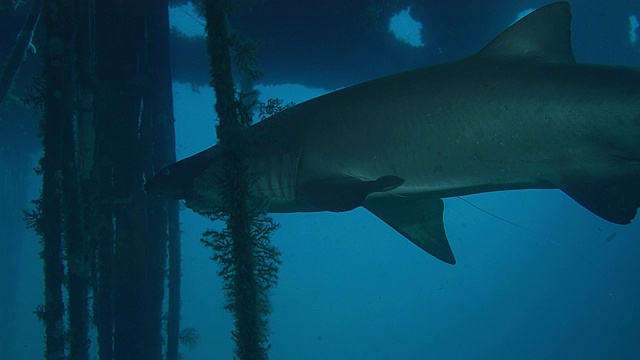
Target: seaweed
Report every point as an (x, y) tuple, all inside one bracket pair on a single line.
[(249, 263)]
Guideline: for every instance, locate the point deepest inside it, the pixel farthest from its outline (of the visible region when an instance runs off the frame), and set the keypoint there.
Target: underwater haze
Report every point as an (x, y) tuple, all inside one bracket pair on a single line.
[(537, 275)]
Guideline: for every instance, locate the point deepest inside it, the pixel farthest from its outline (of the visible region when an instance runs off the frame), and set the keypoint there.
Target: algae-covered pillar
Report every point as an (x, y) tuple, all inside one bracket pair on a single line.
[(134, 139), (248, 262), (107, 125), (61, 223), (56, 97)]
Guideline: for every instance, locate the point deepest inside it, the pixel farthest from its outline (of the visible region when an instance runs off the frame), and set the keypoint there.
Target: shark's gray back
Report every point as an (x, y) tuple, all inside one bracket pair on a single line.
[(519, 114)]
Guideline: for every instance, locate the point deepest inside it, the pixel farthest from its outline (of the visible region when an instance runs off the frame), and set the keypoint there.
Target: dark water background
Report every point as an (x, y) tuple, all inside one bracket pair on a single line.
[(352, 288)]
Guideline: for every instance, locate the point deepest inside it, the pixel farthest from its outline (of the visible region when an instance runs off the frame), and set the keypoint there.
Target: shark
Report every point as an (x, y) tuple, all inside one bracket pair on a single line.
[(521, 113)]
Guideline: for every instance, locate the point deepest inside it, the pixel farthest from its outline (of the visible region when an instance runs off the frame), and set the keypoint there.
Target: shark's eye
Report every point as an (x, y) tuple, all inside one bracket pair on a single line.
[(166, 172)]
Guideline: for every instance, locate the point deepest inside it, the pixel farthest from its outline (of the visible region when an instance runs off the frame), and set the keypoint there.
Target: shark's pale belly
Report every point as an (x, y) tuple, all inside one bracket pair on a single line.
[(519, 114), (492, 129)]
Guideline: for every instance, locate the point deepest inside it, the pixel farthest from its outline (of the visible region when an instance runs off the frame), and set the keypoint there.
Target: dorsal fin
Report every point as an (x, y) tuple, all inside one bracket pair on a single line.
[(544, 36)]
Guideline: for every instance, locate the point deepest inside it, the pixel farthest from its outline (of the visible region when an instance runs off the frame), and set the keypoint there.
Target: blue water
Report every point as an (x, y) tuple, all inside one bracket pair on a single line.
[(538, 276), (560, 283)]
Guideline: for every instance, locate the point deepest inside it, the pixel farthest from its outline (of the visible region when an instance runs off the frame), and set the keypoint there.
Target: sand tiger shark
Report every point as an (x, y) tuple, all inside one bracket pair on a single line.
[(518, 114)]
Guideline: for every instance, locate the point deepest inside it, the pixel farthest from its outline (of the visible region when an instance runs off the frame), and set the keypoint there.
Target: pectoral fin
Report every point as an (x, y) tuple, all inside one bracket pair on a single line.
[(344, 193), (419, 220), (615, 200)]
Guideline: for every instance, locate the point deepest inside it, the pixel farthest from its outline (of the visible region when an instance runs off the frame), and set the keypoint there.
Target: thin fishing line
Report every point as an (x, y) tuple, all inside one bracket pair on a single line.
[(584, 259)]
